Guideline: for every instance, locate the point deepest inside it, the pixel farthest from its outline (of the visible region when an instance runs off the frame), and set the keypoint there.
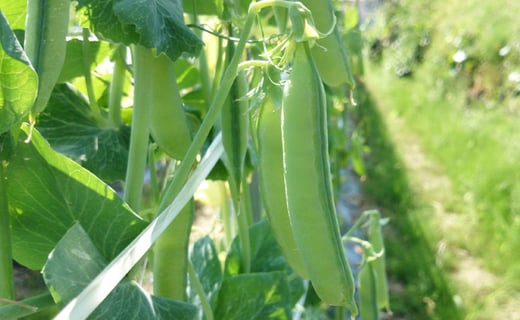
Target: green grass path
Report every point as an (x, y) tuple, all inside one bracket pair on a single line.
[(447, 178)]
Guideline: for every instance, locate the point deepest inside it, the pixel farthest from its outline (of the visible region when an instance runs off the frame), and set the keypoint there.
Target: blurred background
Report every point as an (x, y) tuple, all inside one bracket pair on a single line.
[(439, 113)]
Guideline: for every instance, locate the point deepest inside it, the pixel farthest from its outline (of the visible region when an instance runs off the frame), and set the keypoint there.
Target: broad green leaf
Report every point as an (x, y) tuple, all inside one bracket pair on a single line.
[(99, 288), (18, 80), (266, 255), (49, 193), (254, 296), (351, 18), (206, 263), (188, 75), (76, 261), (15, 12), (153, 24), (203, 7), (130, 301), (75, 58), (71, 265), (70, 128)]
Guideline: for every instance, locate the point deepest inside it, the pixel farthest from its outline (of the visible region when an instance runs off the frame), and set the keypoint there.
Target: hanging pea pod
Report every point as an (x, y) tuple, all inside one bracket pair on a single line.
[(168, 124), (45, 44), (271, 178), (235, 128), (170, 260), (368, 292), (376, 239), (329, 53), (234, 123), (308, 186)]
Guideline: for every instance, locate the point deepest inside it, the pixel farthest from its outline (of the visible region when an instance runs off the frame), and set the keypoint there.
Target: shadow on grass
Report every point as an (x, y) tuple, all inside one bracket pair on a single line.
[(419, 289)]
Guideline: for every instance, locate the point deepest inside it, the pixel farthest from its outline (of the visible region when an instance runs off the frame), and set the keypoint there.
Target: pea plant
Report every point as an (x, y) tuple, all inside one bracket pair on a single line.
[(112, 114)]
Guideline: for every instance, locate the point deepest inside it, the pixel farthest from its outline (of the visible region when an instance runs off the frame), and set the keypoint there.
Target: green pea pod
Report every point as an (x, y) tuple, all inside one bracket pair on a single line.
[(170, 260), (271, 182), (308, 184), (168, 124), (368, 293), (329, 53), (376, 239), (235, 130), (46, 44)]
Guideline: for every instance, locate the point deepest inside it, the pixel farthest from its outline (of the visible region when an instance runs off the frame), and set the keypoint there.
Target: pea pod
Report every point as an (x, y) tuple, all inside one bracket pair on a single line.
[(368, 292), (170, 260), (329, 53), (271, 181), (168, 124), (376, 239), (45, 44), (308, 182), (235, 128)]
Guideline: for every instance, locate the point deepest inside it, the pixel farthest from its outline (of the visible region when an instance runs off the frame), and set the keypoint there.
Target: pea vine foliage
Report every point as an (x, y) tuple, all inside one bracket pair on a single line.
[(64, 218)]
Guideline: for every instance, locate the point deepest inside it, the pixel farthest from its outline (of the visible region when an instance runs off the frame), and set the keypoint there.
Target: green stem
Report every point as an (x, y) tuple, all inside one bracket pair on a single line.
[(242, 211), (154, 181), (94, 107), (253, 63), (255, 198), (246, 201), (33, 32), (6, 261), (140, 128), (116, 86), (194, 279), (359, 221), (26, 307), (226, 214)]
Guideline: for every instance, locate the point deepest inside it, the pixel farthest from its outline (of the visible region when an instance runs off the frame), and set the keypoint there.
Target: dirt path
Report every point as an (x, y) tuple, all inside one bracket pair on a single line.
[(468, 279)]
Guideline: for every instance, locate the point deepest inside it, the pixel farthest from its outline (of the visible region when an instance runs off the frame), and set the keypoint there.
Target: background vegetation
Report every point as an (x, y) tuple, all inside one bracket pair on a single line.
[(444, 79)]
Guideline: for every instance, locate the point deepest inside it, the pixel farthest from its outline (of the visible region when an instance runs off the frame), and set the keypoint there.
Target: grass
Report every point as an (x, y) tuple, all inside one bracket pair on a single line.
[(419, 289), (464, 179)]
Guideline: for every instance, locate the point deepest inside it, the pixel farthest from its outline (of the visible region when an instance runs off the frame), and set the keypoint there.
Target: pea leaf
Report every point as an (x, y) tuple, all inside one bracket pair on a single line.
[(153, 24), (18, 80), (265, 253), (254, 296), (15, 12), (266, 256), (71, 265), (203, 7), (70, 128), (48, 193), (75, 58), (76, 261), (204, 257)]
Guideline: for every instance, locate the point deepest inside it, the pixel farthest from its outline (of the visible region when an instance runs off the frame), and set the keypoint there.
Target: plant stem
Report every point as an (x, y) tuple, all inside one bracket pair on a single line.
[(94, 107), (154, 181), (246, 201), (33, 33), (242, 212), (194, 279), (140, 128), (225, 213), (116, 86), (359, 221), (6, 260)]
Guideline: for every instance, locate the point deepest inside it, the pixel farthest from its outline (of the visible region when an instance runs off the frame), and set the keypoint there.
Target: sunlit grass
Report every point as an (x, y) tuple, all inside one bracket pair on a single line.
[(477, 150)]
